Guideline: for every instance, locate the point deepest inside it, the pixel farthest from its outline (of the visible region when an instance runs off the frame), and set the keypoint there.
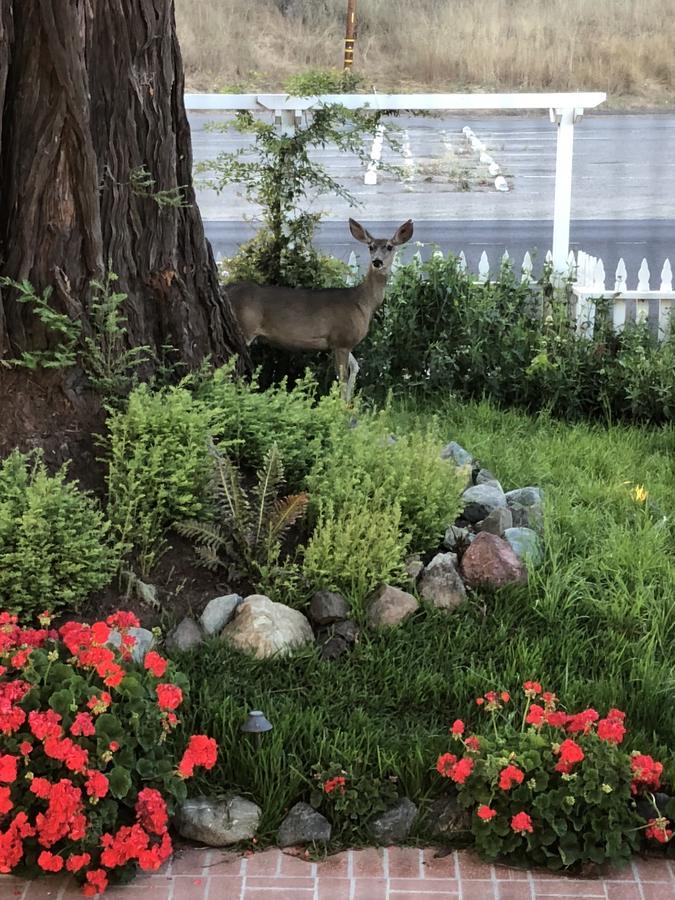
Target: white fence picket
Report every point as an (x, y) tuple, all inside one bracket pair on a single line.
[(653, 306), (483, 267)]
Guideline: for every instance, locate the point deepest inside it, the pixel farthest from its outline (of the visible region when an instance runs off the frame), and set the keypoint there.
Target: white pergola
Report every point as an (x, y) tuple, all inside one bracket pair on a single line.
[(565, 109)]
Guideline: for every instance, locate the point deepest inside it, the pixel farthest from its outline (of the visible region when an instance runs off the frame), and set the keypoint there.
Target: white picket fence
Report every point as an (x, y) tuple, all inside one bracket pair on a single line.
[(587, 279)]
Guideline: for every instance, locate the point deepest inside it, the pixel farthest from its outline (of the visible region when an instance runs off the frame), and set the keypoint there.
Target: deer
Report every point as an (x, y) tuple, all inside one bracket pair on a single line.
[(334, 319)]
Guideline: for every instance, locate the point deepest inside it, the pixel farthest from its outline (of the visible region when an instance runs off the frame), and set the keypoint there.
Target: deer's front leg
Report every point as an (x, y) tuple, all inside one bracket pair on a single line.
[(342, 369), (353, 368)]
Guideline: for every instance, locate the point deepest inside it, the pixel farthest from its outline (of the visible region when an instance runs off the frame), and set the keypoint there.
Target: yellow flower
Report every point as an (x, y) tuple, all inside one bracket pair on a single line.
[(639, 493)]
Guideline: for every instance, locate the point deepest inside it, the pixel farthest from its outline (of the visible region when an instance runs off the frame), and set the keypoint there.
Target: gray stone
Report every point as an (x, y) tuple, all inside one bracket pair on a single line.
[(528, 516), (218, 612), (218, 822), (337, 639), (446, 817), (456, 537), (185, 636), (480, 500), (457, 454), (145, 641), (389, 606), (393, 826), (441, 583), (497, 522), (327, 607), (146, 593), (303, 825), (485, 476), (263, 628), (491, 563), (526, 544), (527, 496), (414, 567)]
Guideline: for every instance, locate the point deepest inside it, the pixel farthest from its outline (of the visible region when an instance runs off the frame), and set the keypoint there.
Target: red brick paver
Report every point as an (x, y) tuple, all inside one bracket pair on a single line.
[(396, 873)]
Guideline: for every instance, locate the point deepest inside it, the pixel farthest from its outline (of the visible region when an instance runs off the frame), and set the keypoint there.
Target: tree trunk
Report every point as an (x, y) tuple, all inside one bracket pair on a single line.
[(91, 95)]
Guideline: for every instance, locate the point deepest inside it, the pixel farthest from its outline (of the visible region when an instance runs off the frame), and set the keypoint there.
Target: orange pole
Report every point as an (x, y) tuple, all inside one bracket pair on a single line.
[(350, 35)]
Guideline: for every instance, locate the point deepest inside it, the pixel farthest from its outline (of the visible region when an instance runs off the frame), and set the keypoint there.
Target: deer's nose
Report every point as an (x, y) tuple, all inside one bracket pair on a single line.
[(377, 263)]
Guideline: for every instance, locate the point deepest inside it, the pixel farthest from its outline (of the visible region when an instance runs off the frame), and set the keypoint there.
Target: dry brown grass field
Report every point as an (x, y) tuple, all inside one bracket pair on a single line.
[(624, 47)]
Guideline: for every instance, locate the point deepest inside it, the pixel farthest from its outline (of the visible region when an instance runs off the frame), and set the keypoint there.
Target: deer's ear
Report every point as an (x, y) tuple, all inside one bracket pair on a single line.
[(403, 234), (359, 232)]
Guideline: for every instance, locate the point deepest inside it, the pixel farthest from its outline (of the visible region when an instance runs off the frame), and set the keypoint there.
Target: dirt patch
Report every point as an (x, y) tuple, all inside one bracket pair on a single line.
[(183, 589)]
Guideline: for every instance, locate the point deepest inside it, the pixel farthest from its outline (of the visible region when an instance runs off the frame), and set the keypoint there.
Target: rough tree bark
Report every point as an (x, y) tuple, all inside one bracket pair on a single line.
[(91, 91)]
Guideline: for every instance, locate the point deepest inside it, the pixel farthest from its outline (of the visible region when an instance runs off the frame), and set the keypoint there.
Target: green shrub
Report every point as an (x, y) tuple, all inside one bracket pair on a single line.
[(355, 546), (53, 539), (366, 461), (158, 467), (253, 420), (439, 331)]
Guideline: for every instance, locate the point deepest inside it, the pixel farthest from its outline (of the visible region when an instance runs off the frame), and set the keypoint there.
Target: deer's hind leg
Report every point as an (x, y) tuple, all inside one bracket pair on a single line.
[(353, 368)]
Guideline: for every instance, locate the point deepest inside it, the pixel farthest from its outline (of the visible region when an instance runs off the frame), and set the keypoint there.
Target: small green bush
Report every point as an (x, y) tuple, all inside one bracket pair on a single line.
[(53, 539), (355, 546), (158, 467), (366, 461)]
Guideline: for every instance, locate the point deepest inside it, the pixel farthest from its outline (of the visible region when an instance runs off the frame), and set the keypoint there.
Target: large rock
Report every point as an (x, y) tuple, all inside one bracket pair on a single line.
[(218, 612), (218, 822), (527, 496), (337, 639), (185, 636), (527, 508), (491, 563), (526, 544), (393, 826), (480, 500), (485, 476), (456, 538), (327, 607), (441, 583), (144, 641), (303, 825), (446, 817), (497, 522), (264, 628), (390, 606), (457, 454)]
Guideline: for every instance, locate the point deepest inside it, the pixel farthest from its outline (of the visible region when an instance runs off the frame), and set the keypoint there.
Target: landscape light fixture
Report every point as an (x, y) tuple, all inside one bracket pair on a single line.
[(256, 723)]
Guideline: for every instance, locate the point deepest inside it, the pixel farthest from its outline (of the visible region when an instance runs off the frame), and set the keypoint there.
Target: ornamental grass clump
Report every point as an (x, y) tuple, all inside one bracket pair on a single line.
[(554, 788), (90, 769)]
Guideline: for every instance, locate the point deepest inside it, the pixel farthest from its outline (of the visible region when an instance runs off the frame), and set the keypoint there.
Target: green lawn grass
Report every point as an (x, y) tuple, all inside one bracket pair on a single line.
[(596, 624)]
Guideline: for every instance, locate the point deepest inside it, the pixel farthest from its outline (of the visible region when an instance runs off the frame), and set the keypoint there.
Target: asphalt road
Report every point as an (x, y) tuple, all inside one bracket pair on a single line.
[(623, 196)]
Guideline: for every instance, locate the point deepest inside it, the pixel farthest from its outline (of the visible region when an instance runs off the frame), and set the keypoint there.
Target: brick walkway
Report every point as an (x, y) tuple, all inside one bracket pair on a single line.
[(399, 873)]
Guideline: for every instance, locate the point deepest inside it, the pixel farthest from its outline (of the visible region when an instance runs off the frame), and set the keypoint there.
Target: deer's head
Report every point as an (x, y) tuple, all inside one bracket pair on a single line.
[(382, 252)]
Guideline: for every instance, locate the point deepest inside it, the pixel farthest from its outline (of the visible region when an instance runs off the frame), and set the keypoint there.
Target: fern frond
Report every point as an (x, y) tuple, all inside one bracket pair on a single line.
[(270, 479), (286, 512), (203, 532), (229, 494), (208, 557)]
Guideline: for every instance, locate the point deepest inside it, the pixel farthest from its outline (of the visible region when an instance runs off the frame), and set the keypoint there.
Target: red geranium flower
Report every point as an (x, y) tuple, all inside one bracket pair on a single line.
[(485, 813), (445, 763), (646, 773), (473, 743), (657, 830), (510, 776), (335, 784), (532, 688), (49, 862), (521, 823), (8, 765), (570, 753), (169, 696), (75, 862), (457, 727), (155, 663), (96, 784)]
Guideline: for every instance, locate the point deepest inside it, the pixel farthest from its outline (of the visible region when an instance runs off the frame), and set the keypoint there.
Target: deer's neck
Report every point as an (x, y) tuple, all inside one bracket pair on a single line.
[(372, 290)]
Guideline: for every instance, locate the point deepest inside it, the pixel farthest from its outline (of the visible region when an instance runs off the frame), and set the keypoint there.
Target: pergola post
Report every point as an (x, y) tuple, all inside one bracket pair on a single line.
[(562, 203)]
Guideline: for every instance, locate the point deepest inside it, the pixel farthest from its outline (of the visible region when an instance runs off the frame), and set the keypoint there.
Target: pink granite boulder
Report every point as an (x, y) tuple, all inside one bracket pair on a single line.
[(490, 562)]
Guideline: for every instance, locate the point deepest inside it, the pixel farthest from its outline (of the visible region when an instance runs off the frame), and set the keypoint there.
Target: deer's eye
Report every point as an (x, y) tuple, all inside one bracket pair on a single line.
[(371, 247), (390, 247)]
